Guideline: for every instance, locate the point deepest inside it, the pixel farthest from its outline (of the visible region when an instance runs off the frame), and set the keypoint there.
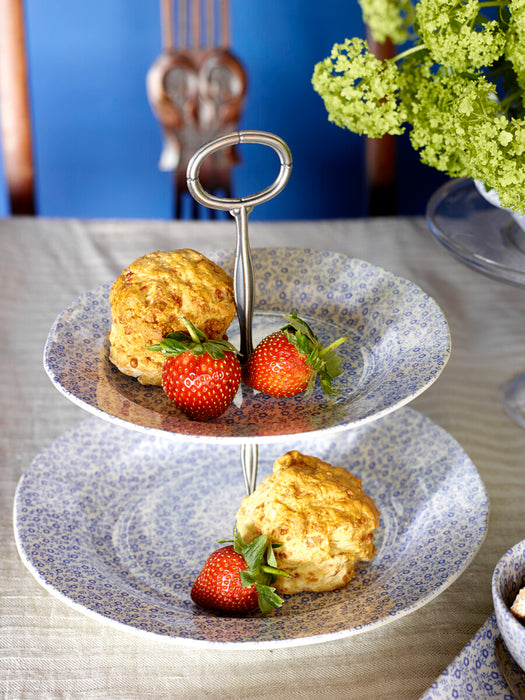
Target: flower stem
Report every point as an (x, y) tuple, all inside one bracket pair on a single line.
[(492, 3), (410, 52), (507, 101)]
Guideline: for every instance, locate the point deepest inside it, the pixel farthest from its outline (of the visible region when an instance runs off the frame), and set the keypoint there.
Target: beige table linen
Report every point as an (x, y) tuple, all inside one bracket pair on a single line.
[(49, 650)]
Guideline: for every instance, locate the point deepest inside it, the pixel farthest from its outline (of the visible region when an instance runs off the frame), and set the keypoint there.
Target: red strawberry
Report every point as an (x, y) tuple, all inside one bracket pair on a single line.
[(287, 362), (237, 578), (219, 587), (200, 376)]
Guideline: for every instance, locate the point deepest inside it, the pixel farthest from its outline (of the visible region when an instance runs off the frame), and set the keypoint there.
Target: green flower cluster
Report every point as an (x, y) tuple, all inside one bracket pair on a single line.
[(458, 88), (388, 20)]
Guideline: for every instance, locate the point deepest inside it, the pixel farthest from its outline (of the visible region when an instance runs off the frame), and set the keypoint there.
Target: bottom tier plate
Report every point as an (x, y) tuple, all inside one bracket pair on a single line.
[(118, 524)]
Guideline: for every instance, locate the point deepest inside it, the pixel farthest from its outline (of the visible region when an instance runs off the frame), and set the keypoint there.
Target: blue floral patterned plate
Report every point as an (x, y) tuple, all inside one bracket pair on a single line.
[(474, 673), (119, 528), (398, 344)]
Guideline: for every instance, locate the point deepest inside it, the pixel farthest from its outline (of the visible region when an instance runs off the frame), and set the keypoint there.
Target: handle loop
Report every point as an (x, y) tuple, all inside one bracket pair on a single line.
[(231, 203)]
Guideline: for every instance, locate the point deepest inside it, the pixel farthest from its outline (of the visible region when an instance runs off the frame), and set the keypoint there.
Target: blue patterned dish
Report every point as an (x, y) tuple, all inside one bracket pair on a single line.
[(119, 528), (474, 673), (507, 580), (398, 344)]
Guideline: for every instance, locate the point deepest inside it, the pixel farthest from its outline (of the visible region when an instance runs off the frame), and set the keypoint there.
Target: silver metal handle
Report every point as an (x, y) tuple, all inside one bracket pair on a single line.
[(240, 208), (249, 463)]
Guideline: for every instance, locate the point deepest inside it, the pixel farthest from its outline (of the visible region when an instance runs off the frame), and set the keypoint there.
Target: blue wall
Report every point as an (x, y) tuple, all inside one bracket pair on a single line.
[(97, 142)]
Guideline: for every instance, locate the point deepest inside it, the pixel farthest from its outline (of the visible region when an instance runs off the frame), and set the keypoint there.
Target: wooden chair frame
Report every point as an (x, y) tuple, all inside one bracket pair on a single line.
[(15, 121), (381, 157)]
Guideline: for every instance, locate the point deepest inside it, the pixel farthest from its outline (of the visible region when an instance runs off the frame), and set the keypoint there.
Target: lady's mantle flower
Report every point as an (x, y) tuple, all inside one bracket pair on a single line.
[(389, 19), (457, 36), (359, 90), (458, 89)]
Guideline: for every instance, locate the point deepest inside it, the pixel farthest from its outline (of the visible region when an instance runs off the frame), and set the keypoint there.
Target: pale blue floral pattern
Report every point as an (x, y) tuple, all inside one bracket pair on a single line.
[(119, 527), (398, 344), (474, 673), (507, 580)]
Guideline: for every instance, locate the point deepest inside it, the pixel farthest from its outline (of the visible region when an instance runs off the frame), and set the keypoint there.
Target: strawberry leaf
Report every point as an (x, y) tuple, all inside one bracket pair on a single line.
[(261, 568), (248, 578), (325, 363), (172, 344), (238, 543), (268, 598), (297, 324), (195, 340), (273, 570), (254, 553), (270, 556)]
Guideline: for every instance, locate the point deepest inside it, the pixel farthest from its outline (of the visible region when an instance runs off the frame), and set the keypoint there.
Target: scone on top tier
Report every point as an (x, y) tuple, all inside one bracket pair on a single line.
[(321, 516), (151, 295)]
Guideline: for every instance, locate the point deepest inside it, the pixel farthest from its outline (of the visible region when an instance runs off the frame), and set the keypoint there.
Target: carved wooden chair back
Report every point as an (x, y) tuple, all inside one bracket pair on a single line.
[(196, 89)]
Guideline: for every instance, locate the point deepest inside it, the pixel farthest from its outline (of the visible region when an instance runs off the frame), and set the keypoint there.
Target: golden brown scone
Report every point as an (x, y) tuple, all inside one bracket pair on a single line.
[(151, 295), (320, 514)]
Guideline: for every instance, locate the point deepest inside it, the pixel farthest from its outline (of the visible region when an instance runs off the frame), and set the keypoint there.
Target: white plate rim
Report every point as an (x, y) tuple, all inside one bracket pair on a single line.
[(401, 401), (404, 414)]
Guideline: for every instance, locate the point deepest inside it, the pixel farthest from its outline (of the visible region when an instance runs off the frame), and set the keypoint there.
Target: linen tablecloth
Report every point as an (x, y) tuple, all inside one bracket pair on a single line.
[(49, 650)]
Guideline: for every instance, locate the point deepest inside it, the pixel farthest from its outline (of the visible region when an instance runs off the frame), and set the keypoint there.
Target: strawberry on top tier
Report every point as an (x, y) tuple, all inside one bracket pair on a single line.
[(288, 362), (201, 376)]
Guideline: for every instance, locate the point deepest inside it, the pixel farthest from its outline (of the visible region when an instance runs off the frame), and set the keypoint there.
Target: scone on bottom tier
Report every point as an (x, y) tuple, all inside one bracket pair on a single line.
[(148, 299), (321, 516)]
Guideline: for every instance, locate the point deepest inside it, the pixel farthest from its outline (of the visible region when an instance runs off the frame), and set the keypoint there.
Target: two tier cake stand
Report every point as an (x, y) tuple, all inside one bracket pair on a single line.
[(118, 515)]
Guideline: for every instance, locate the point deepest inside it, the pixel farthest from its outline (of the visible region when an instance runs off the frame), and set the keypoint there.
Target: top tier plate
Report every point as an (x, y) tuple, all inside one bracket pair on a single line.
[(398, 344)]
